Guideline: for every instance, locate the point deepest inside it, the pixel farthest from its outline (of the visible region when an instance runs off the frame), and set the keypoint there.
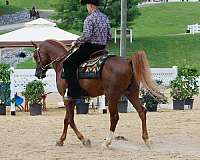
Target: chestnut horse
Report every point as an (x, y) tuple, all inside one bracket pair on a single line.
[(119, 77)]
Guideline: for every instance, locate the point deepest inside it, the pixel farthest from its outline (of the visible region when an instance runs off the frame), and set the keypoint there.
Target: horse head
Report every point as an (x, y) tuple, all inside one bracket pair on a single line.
[(46, 53), (42, 64)]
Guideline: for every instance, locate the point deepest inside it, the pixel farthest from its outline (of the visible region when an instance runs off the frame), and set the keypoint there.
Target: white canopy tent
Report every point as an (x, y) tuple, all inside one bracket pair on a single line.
[(40, 21), (37, 31)]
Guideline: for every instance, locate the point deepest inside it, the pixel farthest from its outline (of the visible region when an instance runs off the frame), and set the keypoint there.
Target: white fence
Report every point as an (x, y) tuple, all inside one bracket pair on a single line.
[(20, 78), (194, 28), (129, 34)]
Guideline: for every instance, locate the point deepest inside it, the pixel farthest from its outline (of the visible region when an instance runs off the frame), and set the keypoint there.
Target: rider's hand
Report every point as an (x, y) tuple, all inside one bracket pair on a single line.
[(73, 44)]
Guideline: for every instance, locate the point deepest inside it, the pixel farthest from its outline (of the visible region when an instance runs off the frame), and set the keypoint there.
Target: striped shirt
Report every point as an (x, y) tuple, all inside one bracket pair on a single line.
[(96, 29)]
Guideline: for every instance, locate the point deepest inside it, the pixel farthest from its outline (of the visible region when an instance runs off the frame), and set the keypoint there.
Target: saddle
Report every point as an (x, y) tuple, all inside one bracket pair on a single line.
[(92, 68)]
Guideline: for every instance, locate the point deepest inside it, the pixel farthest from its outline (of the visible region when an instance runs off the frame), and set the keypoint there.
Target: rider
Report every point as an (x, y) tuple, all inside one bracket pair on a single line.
[(96, 34)]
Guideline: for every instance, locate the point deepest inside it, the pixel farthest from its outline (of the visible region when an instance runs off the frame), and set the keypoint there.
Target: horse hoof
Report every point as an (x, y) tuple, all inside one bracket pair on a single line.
[(105, 145), (59, 143), (148, 143), (87, 143)]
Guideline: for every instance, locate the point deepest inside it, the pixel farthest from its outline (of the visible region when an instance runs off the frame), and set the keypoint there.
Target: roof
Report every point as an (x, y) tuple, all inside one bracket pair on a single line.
[(37, 31)]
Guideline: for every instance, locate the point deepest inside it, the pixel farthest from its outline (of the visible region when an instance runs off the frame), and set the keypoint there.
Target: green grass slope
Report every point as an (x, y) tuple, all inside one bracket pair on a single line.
[(28, 64), (166, 18), (42, 4), (165, 51)]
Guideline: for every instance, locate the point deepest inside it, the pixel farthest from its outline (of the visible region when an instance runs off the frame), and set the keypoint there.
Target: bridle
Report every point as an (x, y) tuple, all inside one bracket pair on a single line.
[(44, 67)]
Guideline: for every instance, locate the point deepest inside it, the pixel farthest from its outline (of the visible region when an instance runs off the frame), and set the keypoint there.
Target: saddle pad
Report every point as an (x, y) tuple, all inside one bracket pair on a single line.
[(92, 68)]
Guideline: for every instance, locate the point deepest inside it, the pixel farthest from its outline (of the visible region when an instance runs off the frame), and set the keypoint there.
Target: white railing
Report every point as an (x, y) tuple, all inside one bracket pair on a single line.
[(194, 28), (129, 33), (21, 77), (166, 75)]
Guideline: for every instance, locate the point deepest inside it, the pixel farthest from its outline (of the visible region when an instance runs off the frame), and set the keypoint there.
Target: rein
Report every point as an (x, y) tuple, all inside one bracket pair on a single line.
[(55, 60)]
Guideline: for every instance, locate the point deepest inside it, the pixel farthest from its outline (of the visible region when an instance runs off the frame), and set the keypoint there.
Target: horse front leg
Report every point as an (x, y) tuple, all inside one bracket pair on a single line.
[(114, 117), (69, 120), (60, 142)]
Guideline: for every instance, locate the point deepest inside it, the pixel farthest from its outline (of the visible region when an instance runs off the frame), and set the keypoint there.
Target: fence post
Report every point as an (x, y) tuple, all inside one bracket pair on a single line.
[(115, 35), (12, 92), (131, 35), (176, 70)]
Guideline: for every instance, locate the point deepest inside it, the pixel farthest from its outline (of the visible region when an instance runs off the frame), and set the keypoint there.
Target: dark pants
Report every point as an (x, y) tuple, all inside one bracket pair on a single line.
[(71, 64)]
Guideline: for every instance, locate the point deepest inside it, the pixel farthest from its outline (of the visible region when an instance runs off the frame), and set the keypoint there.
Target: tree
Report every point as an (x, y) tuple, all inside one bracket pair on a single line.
[(72, 14), (113, 11)]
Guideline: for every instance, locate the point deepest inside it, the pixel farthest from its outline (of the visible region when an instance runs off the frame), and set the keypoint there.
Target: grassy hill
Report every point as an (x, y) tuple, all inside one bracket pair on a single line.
[(8, 9), (166, 51), (157, 32), (166, 18), (43, 4)]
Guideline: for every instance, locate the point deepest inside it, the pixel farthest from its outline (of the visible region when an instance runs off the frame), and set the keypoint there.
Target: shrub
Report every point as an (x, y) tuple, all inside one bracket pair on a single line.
[(185, 86), (4, 83), (150, 100), (34, 91)]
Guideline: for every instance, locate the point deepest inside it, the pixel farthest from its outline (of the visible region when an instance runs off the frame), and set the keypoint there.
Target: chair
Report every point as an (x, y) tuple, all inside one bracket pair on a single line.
[(18, 102)]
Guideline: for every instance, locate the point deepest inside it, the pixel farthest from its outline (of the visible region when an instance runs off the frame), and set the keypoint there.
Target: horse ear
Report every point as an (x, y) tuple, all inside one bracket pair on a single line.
[(34, 45)]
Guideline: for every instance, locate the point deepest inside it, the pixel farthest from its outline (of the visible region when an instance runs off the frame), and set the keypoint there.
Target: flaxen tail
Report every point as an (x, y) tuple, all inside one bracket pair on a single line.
[(142, 73)]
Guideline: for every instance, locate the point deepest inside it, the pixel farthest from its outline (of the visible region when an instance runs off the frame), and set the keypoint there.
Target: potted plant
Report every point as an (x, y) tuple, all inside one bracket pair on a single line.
[(151, 102), (122, 105), (82, 105), (33, 93), (4, 87), (184, 87)]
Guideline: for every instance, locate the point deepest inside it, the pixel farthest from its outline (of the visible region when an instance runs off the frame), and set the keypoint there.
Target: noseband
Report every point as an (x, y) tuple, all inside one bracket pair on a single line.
[(44, 67)]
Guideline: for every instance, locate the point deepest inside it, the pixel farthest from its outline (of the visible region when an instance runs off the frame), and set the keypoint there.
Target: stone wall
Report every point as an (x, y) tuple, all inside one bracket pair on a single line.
[(18, 17), (12, 56)]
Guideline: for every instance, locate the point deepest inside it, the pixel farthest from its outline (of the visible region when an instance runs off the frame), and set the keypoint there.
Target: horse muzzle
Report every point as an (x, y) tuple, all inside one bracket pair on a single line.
[(40, 74)]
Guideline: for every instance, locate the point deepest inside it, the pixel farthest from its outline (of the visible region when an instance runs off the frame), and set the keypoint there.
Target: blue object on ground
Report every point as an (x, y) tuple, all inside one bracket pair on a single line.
[(18, 100)]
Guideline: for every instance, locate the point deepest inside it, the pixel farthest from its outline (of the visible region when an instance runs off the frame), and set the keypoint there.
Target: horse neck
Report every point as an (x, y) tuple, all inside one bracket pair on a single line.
[(57, 53)]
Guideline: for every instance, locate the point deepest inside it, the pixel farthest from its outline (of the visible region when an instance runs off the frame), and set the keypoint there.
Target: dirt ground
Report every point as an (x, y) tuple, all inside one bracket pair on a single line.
[(174, 135)]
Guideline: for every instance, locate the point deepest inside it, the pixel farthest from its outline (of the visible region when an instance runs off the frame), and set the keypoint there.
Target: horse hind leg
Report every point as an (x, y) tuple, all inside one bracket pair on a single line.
[(133, 97), (114, 117)]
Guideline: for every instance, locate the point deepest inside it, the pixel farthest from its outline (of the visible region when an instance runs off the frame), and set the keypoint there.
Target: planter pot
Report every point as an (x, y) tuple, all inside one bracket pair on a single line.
[(82, 108), (178, 104), (2, 109), (151, 107), (6, 87), (189, 102), (122, 106), (35, 109)]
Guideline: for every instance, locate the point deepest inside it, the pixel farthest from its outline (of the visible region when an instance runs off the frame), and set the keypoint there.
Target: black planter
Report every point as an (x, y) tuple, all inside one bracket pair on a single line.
[(6, 87), (178, 104), (82, 108), (151, 107), (189, 102), (2, 109), (35, 109), (122, 106)]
